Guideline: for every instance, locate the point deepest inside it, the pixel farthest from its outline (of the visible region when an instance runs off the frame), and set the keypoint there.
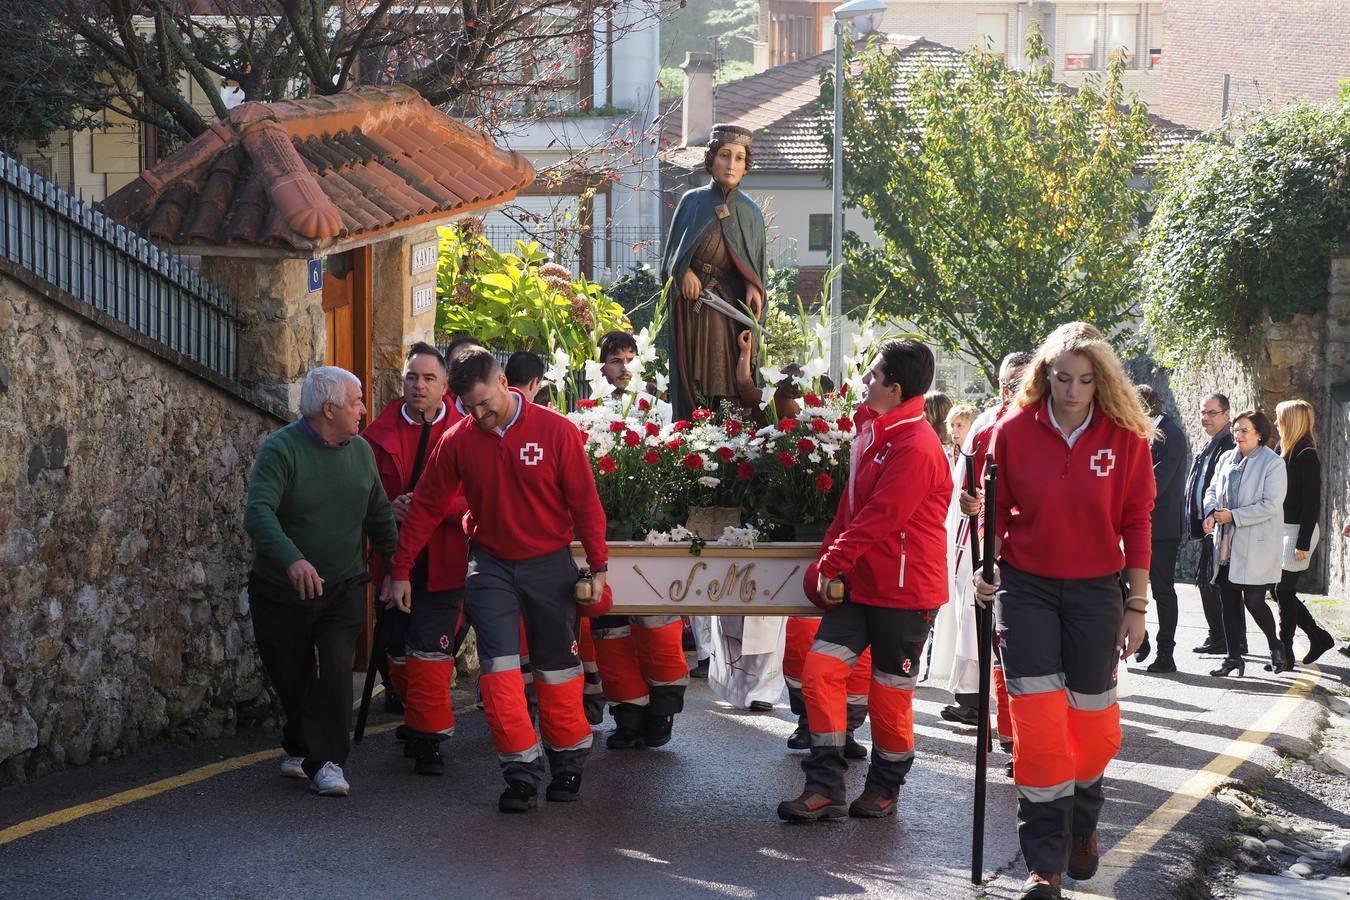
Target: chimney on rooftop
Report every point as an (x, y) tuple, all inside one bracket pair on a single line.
[(697, 105)]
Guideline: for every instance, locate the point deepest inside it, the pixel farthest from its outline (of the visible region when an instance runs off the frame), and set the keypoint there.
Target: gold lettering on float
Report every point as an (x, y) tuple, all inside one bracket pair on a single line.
[(679, 590), (737, 579)]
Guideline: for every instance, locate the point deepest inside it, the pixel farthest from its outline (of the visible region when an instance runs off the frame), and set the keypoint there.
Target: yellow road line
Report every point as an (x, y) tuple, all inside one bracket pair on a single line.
[(122, 798), (1146, 835)]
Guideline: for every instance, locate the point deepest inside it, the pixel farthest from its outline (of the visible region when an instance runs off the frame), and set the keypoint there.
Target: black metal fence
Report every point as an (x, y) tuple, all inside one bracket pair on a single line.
[(82, 252)]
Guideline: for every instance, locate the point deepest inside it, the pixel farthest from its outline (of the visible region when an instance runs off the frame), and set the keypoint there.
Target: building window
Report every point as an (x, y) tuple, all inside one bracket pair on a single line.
[(1122, 36), (818, 232), (1080, 41), (991, 32)]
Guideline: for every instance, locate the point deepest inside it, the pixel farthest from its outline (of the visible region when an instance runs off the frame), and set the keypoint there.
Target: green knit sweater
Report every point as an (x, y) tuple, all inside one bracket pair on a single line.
[(310, 501)]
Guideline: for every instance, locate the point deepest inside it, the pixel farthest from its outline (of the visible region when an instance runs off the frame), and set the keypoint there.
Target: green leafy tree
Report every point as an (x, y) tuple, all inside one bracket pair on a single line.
[(1002, 202), (1245, 231)]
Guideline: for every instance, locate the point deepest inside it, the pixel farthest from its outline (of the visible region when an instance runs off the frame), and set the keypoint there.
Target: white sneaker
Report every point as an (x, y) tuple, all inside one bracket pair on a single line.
[(329, 782), (293, 767)]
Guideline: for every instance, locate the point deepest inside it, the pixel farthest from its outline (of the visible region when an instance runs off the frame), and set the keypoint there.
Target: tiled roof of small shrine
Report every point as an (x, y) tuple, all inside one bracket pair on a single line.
[(306, 174)]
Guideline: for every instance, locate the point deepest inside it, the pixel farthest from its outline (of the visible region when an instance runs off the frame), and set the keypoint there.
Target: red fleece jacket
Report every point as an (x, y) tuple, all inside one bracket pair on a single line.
[(526, 490), (394, 440), (889, 535), (1063, 512)]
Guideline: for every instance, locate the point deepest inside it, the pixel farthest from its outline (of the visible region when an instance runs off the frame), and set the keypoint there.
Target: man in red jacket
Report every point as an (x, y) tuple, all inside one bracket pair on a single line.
[(887, 544), (528, 485), (420, 644)]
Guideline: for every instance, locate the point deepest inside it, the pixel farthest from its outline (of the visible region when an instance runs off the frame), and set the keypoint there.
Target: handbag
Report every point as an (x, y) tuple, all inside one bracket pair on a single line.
[(1290, 540)]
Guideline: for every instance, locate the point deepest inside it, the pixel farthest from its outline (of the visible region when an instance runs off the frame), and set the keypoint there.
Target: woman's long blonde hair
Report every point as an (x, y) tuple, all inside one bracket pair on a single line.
[(1295, 419), (1114, 395)]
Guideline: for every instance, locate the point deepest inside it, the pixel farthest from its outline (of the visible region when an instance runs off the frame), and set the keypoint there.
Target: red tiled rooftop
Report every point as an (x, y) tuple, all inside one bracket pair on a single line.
[(306, 174)]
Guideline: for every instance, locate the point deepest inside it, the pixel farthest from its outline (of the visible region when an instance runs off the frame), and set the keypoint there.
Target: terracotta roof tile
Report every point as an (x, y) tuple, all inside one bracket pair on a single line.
[(305, 174)]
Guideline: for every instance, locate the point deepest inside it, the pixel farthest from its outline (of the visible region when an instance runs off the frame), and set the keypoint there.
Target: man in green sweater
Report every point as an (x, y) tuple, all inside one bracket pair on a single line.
[(313, 491)]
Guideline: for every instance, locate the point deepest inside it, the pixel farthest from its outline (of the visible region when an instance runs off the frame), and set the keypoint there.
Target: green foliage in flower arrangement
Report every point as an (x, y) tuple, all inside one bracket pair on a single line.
[(518, 301), (1244, 231)]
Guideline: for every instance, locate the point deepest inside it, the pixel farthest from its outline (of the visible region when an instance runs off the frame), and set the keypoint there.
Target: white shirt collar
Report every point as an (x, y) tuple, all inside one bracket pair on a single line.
[(1077, 432), (440, 414), (1158, 420)]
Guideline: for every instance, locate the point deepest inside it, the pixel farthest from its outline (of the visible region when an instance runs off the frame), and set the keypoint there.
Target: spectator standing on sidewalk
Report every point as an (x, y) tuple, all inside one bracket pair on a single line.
[(314, 490), (1169, 453), (1214, 420)]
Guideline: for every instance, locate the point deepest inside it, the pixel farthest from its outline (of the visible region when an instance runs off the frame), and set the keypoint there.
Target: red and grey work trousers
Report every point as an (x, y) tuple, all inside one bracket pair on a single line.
[(896, 637), (497, 594), (1058, 643), (642, 666), (801, 632), (429, 662)]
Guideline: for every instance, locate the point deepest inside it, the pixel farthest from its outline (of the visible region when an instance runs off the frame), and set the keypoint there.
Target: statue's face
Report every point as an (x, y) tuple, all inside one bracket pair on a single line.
[(728, 165)]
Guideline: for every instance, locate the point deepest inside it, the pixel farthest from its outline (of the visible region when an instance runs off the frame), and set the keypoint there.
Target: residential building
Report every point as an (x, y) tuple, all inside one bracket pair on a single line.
[(1080, 36)]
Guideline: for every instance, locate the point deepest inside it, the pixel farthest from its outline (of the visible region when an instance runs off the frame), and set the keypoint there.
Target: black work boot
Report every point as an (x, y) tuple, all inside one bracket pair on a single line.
[(811, 807), (427, 758), (852, 749), (801, 738), (564, 788), (519, 797), (656, 730)]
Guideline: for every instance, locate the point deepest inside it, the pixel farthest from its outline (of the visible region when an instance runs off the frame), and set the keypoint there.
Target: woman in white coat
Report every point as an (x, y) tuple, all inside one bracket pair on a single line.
[(1245, 512)]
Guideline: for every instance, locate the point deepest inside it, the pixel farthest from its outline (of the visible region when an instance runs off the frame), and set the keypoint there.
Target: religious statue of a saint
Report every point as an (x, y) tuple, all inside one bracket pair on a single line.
[(715, 259)]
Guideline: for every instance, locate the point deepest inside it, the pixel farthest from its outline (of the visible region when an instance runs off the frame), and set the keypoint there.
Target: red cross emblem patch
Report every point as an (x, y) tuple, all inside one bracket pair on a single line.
[(531, 454), (445, 642), (1103, 461), (905, 666)]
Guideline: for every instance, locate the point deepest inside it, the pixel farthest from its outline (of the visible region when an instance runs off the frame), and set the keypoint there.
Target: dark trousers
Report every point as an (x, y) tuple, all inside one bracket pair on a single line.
[(1293, 614), (1058, 643), (1237, 596), (307, 648), (1209, 597), (1162, 578)]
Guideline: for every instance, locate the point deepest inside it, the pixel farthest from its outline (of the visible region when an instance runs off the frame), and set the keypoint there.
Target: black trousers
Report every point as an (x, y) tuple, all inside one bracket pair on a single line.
[(1162, 578), (1237, 596), (1210, 601), (1293, 614), (307, 648)]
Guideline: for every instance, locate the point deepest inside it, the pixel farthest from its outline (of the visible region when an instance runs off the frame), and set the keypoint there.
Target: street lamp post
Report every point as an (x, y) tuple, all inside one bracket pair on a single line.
[(848, 11)]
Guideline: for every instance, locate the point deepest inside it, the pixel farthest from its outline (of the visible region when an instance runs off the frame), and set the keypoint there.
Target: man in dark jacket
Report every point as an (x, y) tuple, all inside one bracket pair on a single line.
[(1214, 419), (1169, 453)]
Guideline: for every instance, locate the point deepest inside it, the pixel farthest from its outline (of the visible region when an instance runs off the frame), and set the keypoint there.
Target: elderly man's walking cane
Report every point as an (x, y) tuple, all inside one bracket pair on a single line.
[(984, 622), (376, 651)]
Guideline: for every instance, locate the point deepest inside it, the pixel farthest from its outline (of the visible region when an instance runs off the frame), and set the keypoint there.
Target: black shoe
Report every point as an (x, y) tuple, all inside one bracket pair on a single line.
[(761, 706), (1211, 645), (961, 714), (872, 806), (1162, 665), (799, 739), (656, 730), (810, 807), (1041, 886), (1279, 662), (519, 797), (624, 739), (1344, 651), (1144, 649), (700, 669), (403, 733), (853, 749), (1230, 666), (391, 702), (1083, 856), (564, 788), (427, 758), (1319, 644)]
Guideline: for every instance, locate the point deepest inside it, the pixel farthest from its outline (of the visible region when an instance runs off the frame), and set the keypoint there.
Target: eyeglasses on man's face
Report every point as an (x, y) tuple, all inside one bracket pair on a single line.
[(1211, 413)]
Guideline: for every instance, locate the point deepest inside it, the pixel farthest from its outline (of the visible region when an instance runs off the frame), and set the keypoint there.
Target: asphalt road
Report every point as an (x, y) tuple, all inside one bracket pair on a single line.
[(693, 819)]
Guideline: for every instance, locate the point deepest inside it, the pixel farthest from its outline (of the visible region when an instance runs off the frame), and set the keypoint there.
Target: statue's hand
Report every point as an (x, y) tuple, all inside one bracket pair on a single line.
[(755, 300), (690, 286), (747, 341)]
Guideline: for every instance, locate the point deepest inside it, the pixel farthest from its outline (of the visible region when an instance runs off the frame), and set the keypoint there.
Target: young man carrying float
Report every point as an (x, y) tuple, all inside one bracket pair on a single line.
[(887, 544), (528, 485)]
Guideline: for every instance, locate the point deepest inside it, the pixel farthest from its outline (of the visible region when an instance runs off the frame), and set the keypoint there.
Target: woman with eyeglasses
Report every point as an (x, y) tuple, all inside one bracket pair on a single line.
[(1244, 510)]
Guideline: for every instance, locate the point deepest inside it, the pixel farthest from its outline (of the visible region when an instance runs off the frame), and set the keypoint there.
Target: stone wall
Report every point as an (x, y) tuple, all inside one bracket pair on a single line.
[(122, 551)]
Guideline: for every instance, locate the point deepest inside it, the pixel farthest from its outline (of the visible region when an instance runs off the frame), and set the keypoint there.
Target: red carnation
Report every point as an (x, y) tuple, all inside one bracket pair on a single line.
[(725, 453), (586, 404), (806, 445), (631, 438), (652, 429), (820, 426), (787, 458), (607, 465), (675, 443), (701, 414), (682, 425), (812, 400), (845, 423), (644, 404), (616, 426), (693, 461), (745, 471), (824, 482), (651, 458), (788, 425), (733, 427)]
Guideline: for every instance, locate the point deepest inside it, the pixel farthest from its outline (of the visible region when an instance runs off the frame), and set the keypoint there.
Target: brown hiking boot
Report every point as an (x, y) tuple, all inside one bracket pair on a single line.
[(1041, 886), (810, 807), (872, 806), (1083, 857)]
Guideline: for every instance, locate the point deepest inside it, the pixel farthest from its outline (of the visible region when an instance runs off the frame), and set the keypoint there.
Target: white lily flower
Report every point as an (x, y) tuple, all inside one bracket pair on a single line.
[(863, 340), (660, 381), (556, 373), (771, 375), (813, 369), (822, 332), (765, 398), (595, 376)]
